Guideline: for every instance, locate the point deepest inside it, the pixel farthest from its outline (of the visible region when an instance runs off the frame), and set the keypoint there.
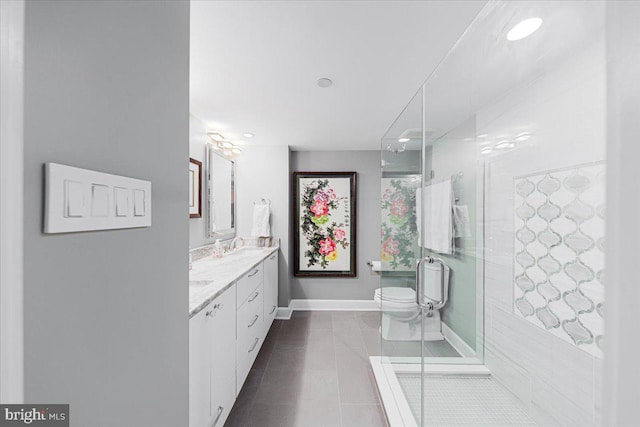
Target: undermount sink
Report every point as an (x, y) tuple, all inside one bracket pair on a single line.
[(246, 250)]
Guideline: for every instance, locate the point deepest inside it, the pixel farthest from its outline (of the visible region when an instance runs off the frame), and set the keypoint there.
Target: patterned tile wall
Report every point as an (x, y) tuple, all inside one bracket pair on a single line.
[(559, 253)]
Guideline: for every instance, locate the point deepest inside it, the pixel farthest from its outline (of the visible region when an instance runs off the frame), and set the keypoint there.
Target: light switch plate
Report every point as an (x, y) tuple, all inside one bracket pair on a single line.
[(83, 200)]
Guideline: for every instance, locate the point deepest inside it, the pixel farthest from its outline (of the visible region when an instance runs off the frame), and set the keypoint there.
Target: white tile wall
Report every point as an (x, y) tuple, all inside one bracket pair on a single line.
[(564, 110)]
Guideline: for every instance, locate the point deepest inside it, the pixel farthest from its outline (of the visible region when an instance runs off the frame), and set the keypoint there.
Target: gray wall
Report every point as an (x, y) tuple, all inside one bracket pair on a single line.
[(367, 164), (263, 172), (622, 344), (106, 324)]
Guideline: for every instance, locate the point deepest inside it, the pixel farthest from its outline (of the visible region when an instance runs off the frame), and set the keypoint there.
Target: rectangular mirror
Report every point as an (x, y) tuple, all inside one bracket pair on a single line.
[(221, 196)]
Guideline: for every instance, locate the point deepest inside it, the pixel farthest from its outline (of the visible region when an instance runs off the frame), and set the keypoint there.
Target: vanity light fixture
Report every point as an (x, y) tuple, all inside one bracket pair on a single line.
[(404, 139), (484, 135), (216, 136), (524, 29), (523, 136), (486, 150), (504, 144), (225, 144), (236, 150)]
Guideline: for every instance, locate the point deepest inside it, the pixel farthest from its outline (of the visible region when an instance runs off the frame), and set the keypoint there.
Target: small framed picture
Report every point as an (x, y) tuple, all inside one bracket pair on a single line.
[(195, 190), (324, 224)]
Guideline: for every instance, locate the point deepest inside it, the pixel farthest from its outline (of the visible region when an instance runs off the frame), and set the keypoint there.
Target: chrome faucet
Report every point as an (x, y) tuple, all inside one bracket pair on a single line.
[(232, 245)]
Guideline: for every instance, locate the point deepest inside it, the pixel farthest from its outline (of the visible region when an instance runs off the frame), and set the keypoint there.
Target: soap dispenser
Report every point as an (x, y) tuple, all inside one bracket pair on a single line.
[(218, 249)]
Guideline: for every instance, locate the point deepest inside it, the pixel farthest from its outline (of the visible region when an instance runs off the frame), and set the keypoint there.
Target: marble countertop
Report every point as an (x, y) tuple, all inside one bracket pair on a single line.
[(210, 277)]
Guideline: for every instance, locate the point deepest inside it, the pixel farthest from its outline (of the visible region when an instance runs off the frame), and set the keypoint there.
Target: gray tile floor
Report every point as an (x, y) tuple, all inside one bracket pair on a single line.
[(313, 370)]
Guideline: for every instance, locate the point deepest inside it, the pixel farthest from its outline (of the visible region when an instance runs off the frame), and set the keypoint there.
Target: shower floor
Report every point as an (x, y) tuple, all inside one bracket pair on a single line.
[(463, 401)]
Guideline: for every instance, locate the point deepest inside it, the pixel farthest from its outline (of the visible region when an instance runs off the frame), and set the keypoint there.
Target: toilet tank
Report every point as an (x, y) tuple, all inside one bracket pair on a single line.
[(432, 275)]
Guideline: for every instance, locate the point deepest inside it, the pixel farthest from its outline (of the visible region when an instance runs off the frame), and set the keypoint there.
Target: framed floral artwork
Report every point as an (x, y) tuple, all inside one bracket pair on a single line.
[(324, 215), (399, 231)]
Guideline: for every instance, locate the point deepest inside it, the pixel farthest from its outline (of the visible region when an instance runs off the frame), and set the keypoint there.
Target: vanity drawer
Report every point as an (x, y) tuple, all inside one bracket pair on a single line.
[(245, 358), (247, 283), (250, 317)]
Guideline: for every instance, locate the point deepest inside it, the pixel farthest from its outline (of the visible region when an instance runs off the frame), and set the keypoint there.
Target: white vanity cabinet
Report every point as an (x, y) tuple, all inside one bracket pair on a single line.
[(225, 337), (270, 286), (212, 361)]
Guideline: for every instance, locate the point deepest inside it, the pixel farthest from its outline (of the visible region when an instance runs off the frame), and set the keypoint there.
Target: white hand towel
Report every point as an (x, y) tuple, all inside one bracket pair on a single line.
[(437, 208), (260, 227), (461, 223)]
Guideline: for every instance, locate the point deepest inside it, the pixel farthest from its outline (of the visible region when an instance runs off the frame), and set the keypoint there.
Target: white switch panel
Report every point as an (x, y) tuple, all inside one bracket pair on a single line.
[(83, 200)]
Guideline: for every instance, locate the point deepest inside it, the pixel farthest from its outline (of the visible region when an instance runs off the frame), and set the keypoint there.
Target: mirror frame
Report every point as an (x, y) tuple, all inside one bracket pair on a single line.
[(227, 233)]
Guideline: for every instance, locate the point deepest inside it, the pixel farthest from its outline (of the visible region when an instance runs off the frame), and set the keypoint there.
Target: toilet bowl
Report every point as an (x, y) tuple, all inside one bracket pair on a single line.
[(401, 314)]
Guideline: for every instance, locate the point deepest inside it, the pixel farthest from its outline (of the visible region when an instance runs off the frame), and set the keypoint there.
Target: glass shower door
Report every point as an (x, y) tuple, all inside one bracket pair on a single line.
[(401, 316)]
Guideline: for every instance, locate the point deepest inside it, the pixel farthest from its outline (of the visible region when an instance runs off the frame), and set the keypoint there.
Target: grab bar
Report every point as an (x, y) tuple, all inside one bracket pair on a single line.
[(420, 289)]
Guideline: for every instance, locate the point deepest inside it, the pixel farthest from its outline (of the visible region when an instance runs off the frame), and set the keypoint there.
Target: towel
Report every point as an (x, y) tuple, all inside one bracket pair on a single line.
[(436, 201), (461, 223), (260, 227)]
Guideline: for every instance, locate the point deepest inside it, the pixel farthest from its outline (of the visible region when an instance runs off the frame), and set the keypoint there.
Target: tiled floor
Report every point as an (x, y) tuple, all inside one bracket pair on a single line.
[(313, 370)]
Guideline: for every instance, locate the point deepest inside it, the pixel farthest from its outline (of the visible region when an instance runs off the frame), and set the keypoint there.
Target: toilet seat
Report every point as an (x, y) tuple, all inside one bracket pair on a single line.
[(396, 298)]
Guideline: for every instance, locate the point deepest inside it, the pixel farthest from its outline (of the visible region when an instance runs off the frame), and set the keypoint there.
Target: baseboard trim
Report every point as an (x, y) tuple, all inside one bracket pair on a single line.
[(457, 342), (284, 313), (333, 305)]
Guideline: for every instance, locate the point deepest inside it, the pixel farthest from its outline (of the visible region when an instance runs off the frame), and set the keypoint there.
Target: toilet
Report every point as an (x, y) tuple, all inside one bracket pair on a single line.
[(401, 314)]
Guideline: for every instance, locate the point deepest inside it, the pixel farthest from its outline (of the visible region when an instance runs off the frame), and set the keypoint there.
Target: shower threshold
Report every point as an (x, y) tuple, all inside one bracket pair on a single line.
[(454, 395)]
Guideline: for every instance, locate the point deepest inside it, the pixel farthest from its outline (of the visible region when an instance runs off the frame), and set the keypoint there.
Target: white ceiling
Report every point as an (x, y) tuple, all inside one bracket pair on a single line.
[(254, 66)]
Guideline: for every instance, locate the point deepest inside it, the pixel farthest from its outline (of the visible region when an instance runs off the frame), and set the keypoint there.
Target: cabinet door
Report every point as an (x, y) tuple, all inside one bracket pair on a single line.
[(223, 357), (270, 289), (199, 369)]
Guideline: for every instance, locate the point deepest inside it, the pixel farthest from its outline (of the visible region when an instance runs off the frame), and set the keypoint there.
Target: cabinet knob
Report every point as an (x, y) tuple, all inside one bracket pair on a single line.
[(210, 313), (218, 306)]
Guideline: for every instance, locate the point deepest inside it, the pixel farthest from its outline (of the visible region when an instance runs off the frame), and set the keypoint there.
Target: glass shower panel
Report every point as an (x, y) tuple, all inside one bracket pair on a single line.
[(513, 146), (515, 130)]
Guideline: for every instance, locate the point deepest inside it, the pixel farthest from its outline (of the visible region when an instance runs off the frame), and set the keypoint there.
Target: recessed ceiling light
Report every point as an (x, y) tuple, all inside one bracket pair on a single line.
[(248, 135), (404, 139), (524, 29), (324, 82), (484, 135), (486, 150)]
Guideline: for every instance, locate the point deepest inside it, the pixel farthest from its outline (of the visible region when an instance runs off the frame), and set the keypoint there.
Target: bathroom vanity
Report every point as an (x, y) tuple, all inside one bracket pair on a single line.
[(233, 301)]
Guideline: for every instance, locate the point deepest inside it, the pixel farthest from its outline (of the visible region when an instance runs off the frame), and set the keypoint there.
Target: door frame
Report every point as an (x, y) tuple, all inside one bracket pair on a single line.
[(12, 17)]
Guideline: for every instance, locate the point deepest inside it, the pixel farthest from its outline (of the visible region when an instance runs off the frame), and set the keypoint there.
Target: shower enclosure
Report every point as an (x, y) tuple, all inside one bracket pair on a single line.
[(492, 313)]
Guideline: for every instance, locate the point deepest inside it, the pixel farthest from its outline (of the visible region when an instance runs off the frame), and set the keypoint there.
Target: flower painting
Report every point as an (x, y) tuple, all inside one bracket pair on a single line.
[(324, 221), (399, 232)]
